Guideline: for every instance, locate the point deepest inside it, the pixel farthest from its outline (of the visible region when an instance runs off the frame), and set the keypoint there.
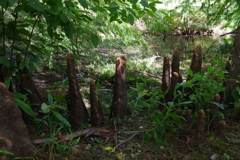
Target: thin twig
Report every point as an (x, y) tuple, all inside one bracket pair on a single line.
[(151, 75), (124, 141)]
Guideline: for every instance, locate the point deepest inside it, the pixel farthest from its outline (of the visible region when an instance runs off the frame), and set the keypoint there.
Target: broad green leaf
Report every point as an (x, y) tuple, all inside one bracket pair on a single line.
[(94, 40), (152, 6), (210, 69), (98, 85), (12, 2), (4, 3), (33, 60), (65, 81), (64, 18), (19, 95), (218, 104), (156, 118), (36, 5), (69, 4), (7, 83), (5, 61), (130, 10), (130, 19), (113, 7), (31, 66), (83, 3), (99, 24), (61, 107), (25, 107), (1, 15), (68, 29), (61, 118), (190, 72), (171, 128), (144, 3), (6, 152), (50, 99), (151, 13), (146, 137), (162, 129), (50, 31), (113, 18), (45, 108), (157, 138), (134, 1), (176, 118), (24, 32), (186, 102)]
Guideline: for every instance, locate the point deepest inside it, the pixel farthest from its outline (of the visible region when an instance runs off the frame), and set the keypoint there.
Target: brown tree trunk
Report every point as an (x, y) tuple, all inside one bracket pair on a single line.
[(233, 71), (119, 108), (14, 136), (96, 110), (78, 111)]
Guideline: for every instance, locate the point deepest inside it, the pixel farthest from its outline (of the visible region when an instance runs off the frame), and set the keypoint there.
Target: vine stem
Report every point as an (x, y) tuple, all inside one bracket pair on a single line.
[(30, 37), (3, 35)]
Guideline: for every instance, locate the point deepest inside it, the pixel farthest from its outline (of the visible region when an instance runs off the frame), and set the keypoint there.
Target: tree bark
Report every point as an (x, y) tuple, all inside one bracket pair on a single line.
[(78, 110), (196, 63), (96, 110), (14, 136), (165, 81), (198, 137), (119, 108), (174, 81), (233, 71), (214, 115)]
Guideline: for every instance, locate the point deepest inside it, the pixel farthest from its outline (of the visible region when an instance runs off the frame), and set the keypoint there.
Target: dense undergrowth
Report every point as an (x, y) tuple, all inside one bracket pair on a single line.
[(147, 133)]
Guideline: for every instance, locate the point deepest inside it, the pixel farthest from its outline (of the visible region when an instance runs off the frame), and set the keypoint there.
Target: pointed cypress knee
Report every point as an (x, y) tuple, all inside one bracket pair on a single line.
[(78, 110), (174, 81), (214, 115), (176, 63), (196, 63), (166, 74), (198, 137), (119, 108), (96, 110), (165, 80)]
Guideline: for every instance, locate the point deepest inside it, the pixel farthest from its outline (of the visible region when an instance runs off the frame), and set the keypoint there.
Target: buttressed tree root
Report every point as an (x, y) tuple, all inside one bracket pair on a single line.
[(14, 136), (119, 108), (78, 110), (96, 110)]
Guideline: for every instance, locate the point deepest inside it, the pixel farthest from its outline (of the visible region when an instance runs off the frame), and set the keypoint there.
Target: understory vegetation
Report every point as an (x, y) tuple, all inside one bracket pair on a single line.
[(37, 37)]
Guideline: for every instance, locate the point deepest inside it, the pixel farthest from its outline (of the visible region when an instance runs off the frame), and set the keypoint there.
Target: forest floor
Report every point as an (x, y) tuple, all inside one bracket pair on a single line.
[(124, 140)]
